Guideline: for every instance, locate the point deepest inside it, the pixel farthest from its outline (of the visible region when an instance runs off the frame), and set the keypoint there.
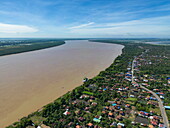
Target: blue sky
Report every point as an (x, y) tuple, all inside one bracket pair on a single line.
[(85, 18)]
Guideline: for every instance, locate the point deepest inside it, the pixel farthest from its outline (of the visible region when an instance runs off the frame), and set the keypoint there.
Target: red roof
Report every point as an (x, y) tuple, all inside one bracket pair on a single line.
[(154, 123), (90, 124)]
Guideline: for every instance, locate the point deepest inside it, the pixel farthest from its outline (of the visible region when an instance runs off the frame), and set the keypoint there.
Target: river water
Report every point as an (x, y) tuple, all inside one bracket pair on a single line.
[(31, 80)]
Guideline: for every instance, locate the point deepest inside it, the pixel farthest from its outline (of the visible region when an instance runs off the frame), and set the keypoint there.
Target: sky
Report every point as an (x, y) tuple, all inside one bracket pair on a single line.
[(85, 18)]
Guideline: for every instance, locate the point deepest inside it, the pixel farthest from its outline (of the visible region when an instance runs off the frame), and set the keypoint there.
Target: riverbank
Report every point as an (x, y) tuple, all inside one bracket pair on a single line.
[(28, 75)]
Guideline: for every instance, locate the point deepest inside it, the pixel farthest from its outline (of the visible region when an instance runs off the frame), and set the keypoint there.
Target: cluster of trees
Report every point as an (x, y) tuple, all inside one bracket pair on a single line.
[(159, 56), (23, 123)]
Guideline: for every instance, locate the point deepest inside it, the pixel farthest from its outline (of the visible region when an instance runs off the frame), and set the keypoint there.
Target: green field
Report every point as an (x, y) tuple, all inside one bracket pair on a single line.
[(131, 99), (88, 93)]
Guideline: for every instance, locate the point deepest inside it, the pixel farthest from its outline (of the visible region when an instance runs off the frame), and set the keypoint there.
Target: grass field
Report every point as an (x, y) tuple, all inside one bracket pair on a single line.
[(88, 93), (131, 99)]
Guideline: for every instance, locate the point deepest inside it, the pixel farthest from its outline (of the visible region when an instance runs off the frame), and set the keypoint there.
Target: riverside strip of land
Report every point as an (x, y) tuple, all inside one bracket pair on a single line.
[(31, 80), (15, 46)]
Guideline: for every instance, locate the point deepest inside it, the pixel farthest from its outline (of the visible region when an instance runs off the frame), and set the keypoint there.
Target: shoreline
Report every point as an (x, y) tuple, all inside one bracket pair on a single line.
[(52, 93)]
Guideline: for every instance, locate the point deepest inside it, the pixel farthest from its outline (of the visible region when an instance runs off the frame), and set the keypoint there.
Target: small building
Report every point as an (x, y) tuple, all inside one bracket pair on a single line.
[(120, 125), (110, 114), (90, 125), (162, 97), (66, 113), (97, 119), (167, 107), (132, 96)]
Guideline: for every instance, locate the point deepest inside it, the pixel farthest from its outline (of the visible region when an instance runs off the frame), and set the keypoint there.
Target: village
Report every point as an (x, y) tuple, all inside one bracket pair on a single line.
[(115, 98)]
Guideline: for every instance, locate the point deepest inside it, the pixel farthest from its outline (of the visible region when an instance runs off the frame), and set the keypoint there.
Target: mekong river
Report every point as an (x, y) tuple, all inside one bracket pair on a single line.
[(31, 80)]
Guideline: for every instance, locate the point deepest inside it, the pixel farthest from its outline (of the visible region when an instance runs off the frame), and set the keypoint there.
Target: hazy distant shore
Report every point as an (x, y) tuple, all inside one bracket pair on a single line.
[(34, 79), (159, 42)]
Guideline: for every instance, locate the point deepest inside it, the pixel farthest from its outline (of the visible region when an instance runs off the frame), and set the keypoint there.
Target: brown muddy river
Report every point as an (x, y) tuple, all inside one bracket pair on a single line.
[(31, 80)]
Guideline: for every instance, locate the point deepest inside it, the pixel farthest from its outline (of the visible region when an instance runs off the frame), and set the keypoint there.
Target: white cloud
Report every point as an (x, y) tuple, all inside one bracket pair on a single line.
[(81, 26), (11, 28), (153, 27), (164, 20)]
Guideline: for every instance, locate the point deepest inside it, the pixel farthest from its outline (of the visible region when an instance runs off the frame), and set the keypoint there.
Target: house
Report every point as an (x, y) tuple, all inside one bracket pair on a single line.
[(143, 114), (157, 90), (144, 125), (168, 78), (122, 113), (150, 98), (78, 126), (156, 117), (112, 108), (90, 125), (145, 84), (127, 105), (110, 114), (168, 81), (104, 89), (167, 107), (160, 93), (128, 68), (117, 107), (97, 119), (119, 102), (154, 123), (103, 112), (133, 123), (152, 103), (162, 126), (66, 112), (100, 91), (71, 123), (113, 124), (120, 125), (87, 108), (132, 96), (145, 75), (145, 80), (94, 104), (111, 102), (136, 85), (151, 126), (162, 97), (151, 112), (78, 112), (106, 108), (81, 119), (114, 104), (119, 118), (92, 97), (84, 96)]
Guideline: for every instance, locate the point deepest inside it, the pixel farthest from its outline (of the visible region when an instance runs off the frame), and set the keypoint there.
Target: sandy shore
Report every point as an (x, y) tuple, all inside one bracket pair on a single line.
[(34, 79)]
